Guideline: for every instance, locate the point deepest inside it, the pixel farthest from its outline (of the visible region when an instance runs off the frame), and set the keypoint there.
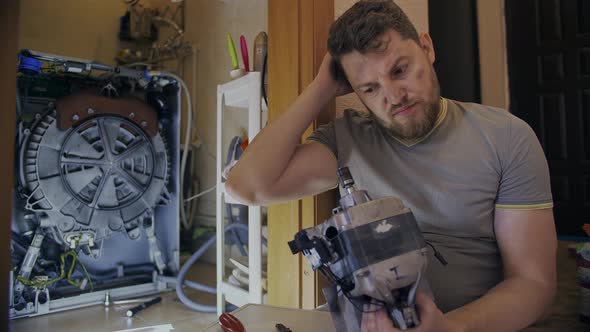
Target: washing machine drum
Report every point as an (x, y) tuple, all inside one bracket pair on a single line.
[(94, 166)]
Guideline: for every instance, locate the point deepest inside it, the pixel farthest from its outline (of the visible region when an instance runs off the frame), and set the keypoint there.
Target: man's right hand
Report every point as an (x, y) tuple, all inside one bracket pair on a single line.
[(325, 78), (377, 321), (431, 319)]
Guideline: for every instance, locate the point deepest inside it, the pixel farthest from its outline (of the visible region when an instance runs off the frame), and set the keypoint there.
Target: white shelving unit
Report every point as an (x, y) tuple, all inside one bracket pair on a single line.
[(243, 93)]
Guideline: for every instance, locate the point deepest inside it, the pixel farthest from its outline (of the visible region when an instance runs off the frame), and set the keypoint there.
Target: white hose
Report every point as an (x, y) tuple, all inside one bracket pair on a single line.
[(200, 194), (180, 280), (187, 135), (186, 223)]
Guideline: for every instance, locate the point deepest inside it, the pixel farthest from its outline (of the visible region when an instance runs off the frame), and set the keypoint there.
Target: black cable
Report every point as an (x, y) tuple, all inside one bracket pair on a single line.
[(326, 272), (437, 254), (380, 305), (263, 80), (17, 238)]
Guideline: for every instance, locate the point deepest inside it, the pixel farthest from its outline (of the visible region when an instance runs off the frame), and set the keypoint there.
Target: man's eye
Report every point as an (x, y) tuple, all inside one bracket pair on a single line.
[(368, 90), (400, 70)]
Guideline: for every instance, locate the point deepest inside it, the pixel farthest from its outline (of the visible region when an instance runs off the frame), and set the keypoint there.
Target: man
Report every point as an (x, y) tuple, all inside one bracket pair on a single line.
[(474, 176)]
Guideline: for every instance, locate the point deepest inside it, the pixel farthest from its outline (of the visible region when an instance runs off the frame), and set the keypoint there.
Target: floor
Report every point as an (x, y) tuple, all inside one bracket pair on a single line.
[(112, 318)]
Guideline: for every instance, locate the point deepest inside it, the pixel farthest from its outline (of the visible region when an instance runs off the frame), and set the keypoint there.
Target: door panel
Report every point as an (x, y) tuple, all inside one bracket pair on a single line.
[(549, 74), (9, 32), (298, 30)]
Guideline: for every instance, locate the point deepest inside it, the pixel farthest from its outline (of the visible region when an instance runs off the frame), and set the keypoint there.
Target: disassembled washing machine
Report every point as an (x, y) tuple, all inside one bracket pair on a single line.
[(95, 208)]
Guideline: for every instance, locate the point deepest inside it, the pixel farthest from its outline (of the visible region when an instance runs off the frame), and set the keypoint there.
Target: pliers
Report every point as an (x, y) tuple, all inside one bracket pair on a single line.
[(230, 323)]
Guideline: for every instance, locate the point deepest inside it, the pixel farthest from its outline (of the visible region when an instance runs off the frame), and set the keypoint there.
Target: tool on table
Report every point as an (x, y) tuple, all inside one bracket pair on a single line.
[(131, 301), (133, 311), (282, 328), (107, 299), (230, 323), (372, 252)]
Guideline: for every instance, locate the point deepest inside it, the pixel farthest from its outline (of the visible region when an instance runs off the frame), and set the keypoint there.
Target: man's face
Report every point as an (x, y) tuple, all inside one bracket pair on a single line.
[(397, 83)]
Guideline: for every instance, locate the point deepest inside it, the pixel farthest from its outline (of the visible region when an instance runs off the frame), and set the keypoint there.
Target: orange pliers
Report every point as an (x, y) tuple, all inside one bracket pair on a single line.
[(230, 323)]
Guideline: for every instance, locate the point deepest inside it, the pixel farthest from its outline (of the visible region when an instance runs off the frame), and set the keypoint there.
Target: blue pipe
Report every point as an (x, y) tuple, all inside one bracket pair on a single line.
[(180, 279)]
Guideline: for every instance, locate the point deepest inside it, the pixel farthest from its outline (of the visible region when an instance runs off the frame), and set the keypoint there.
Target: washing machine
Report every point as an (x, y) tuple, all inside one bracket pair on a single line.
[(95, 199)]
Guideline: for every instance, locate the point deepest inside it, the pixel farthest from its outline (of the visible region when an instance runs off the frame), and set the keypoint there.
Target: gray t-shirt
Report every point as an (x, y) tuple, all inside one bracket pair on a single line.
[(476, 159)]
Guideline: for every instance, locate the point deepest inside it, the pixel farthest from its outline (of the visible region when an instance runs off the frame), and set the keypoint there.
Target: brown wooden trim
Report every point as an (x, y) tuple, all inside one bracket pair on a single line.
[(323, 18), (9, 32), (306, 75), (297, 44), (320, 205), (283, 87)]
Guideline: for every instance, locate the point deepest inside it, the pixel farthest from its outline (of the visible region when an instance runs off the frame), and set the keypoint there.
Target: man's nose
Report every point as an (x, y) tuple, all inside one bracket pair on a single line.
[(395, 92)]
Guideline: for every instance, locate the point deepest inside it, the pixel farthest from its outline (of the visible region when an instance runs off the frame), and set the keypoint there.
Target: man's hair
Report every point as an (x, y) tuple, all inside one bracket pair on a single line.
[(358, 28)]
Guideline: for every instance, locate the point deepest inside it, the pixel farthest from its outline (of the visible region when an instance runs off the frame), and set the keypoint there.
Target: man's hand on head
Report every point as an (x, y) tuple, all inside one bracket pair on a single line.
[(325, 79), (431, 319)]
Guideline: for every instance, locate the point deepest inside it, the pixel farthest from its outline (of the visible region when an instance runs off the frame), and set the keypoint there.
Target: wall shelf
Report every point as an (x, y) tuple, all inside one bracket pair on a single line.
[(242, 93)]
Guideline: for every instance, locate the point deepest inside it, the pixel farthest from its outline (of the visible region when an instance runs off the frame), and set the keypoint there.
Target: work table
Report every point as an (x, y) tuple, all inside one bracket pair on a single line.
[(563, 317)]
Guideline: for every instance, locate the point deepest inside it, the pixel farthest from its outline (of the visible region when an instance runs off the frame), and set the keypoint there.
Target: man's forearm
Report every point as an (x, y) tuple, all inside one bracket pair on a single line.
[(512, 305), (268, 155)]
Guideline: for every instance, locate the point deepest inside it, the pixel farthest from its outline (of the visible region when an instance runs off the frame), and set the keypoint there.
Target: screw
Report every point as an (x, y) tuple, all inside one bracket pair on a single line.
[(65, 225), (132, 115), (107, 299), (144, 123), (37, 116), (75, 117), (90, 110)]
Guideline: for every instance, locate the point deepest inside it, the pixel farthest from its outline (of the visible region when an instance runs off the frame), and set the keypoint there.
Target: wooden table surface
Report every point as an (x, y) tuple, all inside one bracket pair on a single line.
[(563, 318)]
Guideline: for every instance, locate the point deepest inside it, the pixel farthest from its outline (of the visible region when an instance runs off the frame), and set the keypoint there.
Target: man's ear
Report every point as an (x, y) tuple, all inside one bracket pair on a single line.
[(427, 47)]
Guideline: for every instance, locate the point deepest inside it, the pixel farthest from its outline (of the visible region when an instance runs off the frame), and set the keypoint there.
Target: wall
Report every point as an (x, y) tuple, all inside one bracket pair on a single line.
[(85, 29), (207, 25), (417, 11), (492, 53)]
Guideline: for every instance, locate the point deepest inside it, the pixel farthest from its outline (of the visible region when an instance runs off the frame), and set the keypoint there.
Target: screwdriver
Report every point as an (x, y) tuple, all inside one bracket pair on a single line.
[(131, 312)]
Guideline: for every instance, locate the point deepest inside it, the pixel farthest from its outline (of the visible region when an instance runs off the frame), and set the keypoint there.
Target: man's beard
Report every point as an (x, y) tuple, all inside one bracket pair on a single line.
[(418, 125)]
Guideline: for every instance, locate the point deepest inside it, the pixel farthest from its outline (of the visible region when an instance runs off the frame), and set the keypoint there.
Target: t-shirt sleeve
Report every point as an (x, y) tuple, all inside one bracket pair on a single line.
[(326, 135), (524, 182)]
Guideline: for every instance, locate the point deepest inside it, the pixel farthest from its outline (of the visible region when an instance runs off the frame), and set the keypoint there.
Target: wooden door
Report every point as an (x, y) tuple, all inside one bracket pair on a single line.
[(297, 34), (549, 73)]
